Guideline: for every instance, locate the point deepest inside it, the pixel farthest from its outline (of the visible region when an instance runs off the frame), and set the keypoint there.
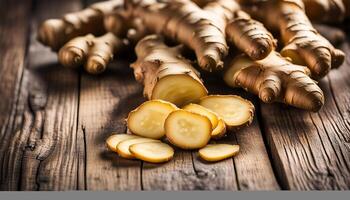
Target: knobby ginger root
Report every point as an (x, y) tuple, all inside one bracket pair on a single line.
[(217, 152), (187, 130), (234, 110), (275, 79), (165, 74), (93, 52), (332, 11), (184, 21), (250, 36), (56, 32), (148, 119), (303, 44)]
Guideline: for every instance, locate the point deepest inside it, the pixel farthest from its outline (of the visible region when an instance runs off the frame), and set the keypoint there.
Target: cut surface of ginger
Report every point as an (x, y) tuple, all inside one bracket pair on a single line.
[(187, 130), (217, 152), (113, 140), (179, 89), (123, 147), (148, 119), (233, 109), (153, 152), (220, 130), (198, 109)]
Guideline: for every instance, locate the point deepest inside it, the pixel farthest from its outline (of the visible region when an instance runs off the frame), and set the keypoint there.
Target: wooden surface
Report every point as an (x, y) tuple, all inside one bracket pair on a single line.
[(54, 122)]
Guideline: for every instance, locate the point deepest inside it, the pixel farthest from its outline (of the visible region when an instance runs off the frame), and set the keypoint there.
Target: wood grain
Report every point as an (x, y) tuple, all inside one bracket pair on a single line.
[(105, 101), (311, 150), (45, 150), (13, 43)]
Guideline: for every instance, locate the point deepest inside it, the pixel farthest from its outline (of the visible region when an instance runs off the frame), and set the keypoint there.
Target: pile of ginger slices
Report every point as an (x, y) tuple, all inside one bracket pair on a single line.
[(156, 126)]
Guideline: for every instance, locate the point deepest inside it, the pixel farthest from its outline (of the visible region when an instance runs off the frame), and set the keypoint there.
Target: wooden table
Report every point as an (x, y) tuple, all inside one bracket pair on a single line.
[(54, 122)]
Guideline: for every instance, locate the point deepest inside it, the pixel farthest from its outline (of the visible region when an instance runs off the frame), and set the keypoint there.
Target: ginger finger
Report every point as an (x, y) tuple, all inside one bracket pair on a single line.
[(93, 52), (329, 11), (250, 36), (303, 44), (275, 79), (165, 74), (56, 32)]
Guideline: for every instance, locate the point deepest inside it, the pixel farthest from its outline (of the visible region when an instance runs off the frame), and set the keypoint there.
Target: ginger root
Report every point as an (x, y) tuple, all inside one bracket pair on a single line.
[(185, 22), (329, 11), (275, 79), (303, 44), (165, 74), (56, 32), (93, 52), (250, 36)]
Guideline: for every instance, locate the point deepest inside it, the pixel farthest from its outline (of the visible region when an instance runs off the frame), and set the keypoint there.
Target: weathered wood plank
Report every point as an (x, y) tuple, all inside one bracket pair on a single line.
[(13, 36), (105, 101), (53, 159), (311, 150), (43, 154)]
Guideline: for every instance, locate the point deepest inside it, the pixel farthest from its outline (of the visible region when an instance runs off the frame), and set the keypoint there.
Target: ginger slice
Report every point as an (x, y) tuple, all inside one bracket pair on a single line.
[(187, 130), (198, 109), (148, 119), (220, 130), (217, 152), (123, 147), (113, 140), (153, 152), (234, 110)]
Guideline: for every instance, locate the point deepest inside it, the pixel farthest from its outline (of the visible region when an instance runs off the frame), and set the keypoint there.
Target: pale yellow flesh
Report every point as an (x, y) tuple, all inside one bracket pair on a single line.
[(179, 90), (153, 152), (123, 147), (220, 130), (195, 108), (187, 130), (234, 110), (113, 140), (236, 65), (217, 152), (148, 119)]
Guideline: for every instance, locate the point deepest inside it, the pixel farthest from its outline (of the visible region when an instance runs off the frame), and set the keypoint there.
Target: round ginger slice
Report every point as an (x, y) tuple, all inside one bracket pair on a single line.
[(153, 152), (217, 152), (179, 89), (233, 109), (220, 130), (123, 147), (198, 109), (148, 119), (187, 130), (113, 140)]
